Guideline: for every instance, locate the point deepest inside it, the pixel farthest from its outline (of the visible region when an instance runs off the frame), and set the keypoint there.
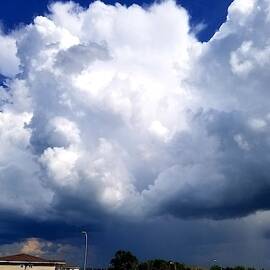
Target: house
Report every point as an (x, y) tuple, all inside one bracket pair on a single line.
[(29, 262)]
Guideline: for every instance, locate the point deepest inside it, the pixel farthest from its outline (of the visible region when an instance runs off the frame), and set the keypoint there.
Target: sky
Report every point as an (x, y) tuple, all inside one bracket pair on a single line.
[(146, 125), (208, 13)]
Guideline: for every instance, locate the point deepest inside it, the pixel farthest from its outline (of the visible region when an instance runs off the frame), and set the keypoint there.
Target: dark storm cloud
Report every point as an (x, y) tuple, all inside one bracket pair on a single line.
[(15, 227), (243, 166)]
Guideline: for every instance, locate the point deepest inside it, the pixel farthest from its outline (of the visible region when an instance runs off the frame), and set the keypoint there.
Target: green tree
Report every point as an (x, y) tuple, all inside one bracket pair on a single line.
[(143, 266), (239, 267), (215, 267), (180, 266), (158, 264), (124, 260)]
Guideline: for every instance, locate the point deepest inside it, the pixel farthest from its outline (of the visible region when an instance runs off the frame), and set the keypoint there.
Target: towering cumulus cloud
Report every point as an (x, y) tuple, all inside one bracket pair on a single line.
[(123, 112)]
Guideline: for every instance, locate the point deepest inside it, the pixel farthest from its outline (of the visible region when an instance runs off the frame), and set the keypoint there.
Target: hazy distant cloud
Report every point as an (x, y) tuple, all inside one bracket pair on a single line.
[(121, 112), (42, 248)]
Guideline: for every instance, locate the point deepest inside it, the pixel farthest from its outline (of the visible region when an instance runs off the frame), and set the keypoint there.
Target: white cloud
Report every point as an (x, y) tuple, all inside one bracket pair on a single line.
[(9, 62), (18, 170), (242, 143), (244, 7), (123, 109)]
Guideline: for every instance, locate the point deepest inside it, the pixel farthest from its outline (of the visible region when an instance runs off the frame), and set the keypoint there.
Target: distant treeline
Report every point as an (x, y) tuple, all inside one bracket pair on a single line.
[(125, 260), (239, 267)]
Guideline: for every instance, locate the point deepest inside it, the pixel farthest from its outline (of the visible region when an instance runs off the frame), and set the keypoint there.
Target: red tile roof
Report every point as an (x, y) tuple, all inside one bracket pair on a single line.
[(26, 258)]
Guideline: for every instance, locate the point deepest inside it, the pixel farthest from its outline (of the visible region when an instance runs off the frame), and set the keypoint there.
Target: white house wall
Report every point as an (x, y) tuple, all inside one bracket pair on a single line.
[(18, 267)]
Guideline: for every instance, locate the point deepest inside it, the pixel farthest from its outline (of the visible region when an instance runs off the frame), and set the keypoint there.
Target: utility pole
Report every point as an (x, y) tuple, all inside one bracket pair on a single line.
[(174, 265), (85, 250)]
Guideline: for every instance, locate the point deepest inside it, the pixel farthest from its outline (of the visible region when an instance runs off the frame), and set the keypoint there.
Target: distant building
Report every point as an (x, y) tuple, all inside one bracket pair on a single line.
[(29, 262), (68, 267)]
